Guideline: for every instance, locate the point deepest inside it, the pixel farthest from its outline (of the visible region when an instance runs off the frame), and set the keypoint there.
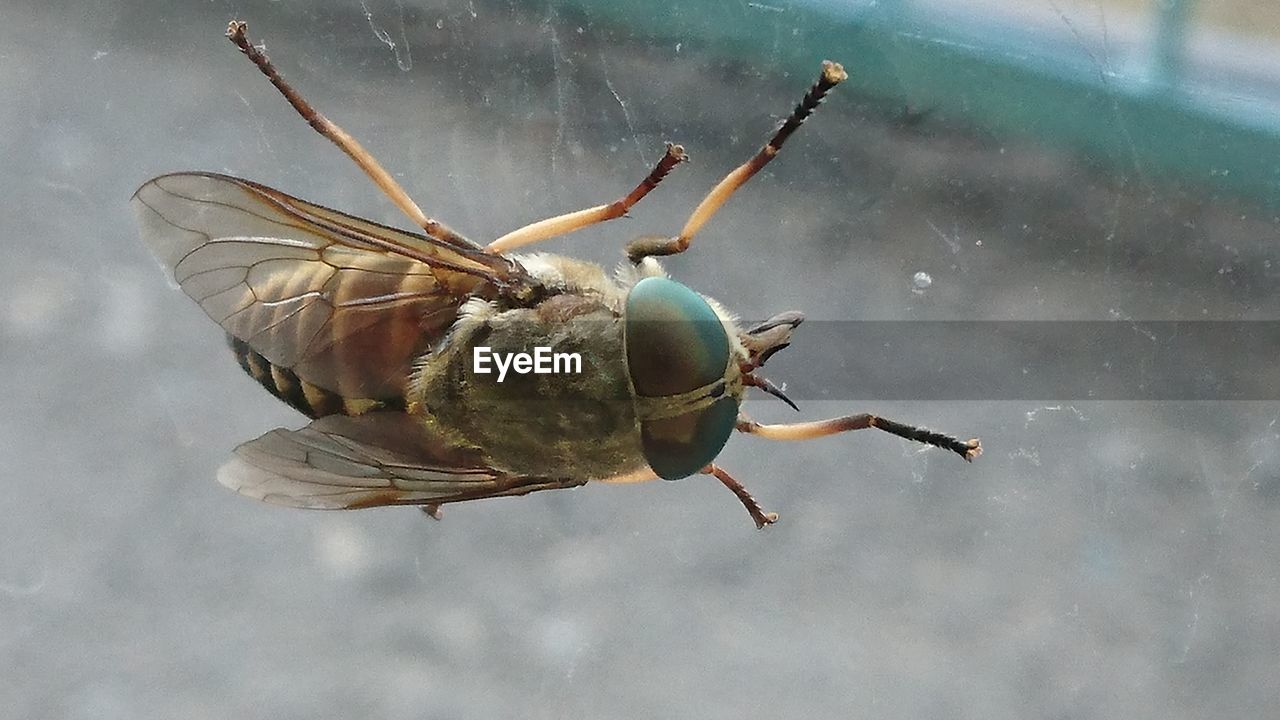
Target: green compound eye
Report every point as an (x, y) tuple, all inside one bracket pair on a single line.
[(676, 345), (680, 446)]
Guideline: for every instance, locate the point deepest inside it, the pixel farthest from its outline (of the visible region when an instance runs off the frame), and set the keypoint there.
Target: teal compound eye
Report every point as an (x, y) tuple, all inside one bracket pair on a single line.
[(677, 357)]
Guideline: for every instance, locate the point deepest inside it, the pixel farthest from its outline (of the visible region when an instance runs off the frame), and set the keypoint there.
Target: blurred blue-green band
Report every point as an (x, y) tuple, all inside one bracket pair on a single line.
[(1135, 117)]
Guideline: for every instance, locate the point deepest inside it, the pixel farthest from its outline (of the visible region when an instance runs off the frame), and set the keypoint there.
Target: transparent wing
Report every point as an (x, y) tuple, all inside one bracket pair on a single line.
[(382, 458), (344, 303)]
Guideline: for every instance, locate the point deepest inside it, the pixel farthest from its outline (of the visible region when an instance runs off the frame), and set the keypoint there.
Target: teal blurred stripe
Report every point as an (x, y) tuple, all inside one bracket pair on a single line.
[(1142, 123)]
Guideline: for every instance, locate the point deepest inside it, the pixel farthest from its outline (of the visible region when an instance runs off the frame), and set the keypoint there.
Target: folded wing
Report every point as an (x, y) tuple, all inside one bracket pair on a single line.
[(382, 458), (345, 303)]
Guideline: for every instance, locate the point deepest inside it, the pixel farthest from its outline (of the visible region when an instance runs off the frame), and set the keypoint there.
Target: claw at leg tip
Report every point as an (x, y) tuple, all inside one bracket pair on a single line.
[(833, 72), (766, 520)]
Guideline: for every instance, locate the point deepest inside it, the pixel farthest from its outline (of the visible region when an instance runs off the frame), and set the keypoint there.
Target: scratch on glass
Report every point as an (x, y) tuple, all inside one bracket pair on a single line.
[(404, 58)]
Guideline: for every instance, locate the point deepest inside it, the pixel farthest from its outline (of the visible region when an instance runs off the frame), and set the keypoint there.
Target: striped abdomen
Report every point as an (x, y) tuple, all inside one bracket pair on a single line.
[(310, 400)]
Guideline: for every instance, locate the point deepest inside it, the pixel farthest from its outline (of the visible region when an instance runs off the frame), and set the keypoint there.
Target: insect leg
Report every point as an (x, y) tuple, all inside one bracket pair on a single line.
[(757, 513), (569, 222), (349, 145), (832, 75), (967, 449)]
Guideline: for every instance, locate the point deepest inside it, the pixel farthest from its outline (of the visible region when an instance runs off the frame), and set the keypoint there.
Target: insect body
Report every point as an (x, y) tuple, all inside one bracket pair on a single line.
[(374, 332)]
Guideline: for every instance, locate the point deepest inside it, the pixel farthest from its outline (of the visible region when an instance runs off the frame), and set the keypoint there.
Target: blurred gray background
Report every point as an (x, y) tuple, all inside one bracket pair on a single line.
[(1101, 560)]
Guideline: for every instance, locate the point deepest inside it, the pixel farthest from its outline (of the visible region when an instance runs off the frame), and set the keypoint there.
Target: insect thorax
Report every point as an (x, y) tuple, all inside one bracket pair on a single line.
[(564, 424)]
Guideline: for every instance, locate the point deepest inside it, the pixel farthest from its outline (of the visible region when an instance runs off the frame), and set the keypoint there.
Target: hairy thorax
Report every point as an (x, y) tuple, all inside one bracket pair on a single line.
[(565, 424)]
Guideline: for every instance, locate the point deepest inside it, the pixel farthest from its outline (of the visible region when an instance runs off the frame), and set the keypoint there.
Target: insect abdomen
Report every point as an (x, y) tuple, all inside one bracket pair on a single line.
[(310, 400)]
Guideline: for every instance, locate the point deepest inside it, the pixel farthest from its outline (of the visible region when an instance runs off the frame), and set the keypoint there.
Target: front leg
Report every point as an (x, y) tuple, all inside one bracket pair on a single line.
[(967, 449), (757, 513)]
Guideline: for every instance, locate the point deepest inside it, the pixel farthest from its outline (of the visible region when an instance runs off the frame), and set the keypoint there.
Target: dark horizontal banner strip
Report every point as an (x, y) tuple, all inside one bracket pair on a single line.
[(1052, 360)]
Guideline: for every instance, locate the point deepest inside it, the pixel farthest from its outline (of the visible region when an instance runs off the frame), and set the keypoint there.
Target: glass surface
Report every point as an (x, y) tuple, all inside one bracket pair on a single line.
[(1108, 559)]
